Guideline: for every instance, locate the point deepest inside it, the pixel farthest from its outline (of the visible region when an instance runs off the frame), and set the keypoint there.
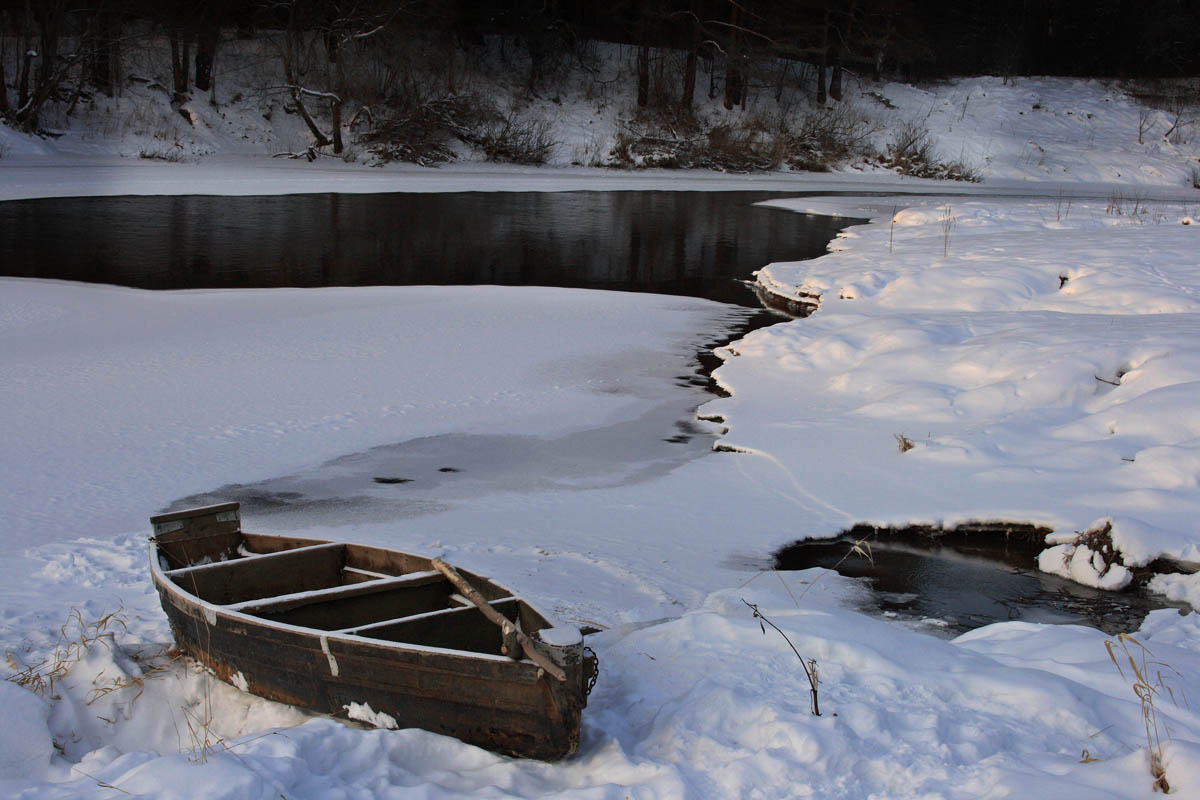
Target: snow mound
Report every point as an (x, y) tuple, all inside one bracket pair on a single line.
[(1084, 565), (707, 705), (26, 746)]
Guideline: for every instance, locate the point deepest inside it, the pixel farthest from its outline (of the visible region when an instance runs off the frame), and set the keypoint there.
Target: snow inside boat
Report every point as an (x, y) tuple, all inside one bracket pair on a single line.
[(368, 633)]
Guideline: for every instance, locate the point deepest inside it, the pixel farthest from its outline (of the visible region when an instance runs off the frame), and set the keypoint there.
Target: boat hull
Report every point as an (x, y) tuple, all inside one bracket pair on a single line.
[(486, 699)]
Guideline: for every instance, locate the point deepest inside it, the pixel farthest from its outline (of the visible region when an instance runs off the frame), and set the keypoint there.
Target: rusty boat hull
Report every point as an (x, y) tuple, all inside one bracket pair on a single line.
[(368, 633)]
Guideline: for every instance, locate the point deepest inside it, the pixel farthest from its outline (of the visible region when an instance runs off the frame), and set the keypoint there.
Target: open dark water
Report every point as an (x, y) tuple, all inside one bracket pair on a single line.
[(691, 243), (955, 583)]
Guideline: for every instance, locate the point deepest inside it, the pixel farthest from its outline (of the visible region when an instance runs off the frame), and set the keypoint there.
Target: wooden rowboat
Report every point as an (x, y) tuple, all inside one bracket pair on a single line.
[(367, 633)]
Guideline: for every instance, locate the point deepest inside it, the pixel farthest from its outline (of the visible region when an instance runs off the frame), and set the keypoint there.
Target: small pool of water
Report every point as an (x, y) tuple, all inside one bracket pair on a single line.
[(951, 588)]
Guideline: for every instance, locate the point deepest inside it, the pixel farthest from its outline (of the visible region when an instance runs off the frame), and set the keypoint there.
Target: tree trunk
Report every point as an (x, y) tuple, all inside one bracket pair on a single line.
[(843, 36), (117, 75), (835, 79), (180, 66), (335, 56), (689, 68), (100, 66), (660, 81), (336, 113), (689, 82), (27, 54), (212, 78), (48, 50), (206, 55), (23, 79), (3, 81), (733, 67), (643, 75), (824, 58)]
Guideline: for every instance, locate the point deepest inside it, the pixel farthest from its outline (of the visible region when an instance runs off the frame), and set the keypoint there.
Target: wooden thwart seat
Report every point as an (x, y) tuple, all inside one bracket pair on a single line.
[(237, 580), (463, 628), (286, 602), (256, 558)]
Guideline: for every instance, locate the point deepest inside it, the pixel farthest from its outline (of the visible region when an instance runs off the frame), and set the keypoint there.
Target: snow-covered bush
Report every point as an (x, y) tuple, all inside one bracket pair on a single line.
[(910, 151), (815, 139), (424, 130), (1089, 558), (515, 139), (733, 147), (158, 151)]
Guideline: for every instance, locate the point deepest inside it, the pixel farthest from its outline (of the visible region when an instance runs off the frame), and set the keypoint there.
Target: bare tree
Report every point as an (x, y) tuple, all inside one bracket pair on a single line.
[(43, 68), (334, 27), (293, 48), (840, 42)]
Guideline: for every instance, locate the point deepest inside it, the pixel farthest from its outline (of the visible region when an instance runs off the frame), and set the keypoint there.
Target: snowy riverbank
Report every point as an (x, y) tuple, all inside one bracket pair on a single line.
[(1039, 354)]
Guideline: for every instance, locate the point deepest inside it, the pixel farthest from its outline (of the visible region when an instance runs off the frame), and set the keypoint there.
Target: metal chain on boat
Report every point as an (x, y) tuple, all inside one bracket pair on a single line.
[(591, 670)]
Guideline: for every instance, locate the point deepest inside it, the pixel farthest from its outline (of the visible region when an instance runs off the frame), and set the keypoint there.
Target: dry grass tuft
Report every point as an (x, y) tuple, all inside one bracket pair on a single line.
[(948, 223), (1147, 681), (76, 637), (905, 444)]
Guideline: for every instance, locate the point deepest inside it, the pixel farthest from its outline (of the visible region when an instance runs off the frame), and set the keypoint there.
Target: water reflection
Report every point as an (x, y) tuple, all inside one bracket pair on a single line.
[(691, 243)]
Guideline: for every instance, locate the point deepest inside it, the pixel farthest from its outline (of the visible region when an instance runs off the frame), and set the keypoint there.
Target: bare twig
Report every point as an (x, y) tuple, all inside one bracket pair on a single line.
[(100, 783), (306, 91), (810, 666)]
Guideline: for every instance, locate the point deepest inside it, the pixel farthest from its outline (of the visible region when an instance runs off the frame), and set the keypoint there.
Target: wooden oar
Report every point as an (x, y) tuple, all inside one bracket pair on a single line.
[(509, 630)]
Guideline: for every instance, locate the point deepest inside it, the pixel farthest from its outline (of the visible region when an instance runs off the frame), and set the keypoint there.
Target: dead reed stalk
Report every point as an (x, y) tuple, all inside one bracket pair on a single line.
[(1147, 681)]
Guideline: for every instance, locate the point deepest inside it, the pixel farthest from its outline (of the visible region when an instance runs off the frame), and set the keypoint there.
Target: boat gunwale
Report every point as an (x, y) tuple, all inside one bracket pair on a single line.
[(209, 611)]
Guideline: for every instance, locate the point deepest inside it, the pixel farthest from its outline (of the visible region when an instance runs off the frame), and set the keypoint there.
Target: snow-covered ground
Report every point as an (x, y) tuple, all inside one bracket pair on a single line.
[(1042, 359), (1039, 353)]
